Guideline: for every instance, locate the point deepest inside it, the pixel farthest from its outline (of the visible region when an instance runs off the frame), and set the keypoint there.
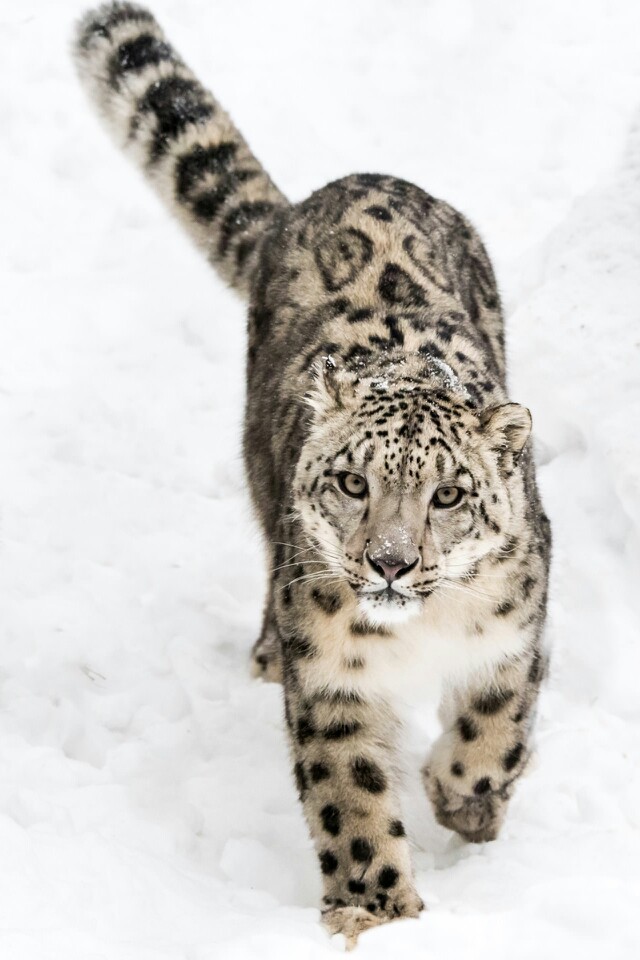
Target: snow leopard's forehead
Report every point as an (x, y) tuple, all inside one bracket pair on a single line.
[(407, 430)]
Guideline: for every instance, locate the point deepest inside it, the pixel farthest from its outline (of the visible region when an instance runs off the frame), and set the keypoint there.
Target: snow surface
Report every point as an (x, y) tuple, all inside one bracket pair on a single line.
[(147, 810)]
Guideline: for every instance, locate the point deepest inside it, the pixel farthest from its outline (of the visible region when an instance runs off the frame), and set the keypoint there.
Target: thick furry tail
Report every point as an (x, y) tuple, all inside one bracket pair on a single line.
[(180, 136)]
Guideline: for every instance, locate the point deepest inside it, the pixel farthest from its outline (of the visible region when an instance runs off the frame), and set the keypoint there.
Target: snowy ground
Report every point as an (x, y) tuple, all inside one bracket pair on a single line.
[(146, 806)]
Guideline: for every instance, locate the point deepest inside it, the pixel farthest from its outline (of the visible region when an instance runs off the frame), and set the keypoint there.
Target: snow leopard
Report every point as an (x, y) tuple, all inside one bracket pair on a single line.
[(392, 477)]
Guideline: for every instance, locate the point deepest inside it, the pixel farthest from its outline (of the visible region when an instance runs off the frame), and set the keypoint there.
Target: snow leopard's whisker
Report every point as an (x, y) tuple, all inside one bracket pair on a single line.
[(314, 578), (329, 567), (320, 541), (298, 563), (465, 588), (289, 517), (294, 557), (504, 554), (460, 584), (476, 579), (296, 546), (472, 577), (328, 557)]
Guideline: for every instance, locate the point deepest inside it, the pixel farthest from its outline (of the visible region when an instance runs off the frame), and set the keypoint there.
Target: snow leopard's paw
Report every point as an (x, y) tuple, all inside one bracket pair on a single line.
[(476, 819), (351, 921)]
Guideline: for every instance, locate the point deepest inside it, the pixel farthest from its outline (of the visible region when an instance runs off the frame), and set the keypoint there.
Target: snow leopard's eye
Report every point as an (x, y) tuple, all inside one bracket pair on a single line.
[(447, 497), (352, 484)]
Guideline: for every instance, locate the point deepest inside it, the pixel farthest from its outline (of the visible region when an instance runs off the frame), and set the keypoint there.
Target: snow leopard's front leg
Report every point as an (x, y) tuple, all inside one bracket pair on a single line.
[(472, 769), (343, 748)]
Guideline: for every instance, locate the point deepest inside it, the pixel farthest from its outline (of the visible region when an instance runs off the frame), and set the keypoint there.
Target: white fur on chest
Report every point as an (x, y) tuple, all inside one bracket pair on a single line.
[(428, 652), (449, 643)]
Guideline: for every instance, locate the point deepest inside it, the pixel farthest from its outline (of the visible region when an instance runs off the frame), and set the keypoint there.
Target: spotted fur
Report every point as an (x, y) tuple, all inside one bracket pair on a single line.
[(376, 351)]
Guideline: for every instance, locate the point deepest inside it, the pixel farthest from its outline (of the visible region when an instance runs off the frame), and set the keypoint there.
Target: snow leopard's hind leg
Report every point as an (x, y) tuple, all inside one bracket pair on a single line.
[(266, 655)]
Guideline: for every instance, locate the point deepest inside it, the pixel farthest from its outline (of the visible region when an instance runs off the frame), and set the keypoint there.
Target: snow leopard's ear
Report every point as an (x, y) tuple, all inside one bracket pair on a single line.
[(507, 427), (325, 393)]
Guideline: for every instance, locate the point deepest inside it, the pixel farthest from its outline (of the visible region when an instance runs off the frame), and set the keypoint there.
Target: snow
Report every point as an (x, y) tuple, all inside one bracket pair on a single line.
[(147, 810)]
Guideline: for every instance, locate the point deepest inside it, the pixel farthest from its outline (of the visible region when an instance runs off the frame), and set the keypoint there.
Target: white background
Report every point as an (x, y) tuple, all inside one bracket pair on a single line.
[(147, 810)]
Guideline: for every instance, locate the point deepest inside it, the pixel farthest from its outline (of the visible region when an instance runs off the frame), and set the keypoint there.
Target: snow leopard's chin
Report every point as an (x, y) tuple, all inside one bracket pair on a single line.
[(388, 609)]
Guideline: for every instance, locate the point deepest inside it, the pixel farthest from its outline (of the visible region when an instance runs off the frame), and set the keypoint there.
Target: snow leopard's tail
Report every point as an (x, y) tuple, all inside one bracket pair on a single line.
[(178, 134)]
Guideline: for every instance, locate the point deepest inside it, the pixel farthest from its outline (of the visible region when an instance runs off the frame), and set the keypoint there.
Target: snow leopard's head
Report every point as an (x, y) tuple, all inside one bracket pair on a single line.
[(404, 485)]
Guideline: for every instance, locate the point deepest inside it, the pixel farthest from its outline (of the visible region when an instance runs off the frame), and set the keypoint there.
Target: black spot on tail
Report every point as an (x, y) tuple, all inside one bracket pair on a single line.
[(239, 219), (133, 56), (208, 204), (176, 103), (244, 249), (193, 166)]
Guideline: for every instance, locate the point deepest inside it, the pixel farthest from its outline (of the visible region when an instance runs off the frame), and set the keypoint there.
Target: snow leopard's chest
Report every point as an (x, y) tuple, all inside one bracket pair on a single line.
[(450, 643)]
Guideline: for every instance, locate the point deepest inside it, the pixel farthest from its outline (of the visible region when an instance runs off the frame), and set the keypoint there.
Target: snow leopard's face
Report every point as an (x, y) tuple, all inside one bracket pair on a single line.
[(403, 487)]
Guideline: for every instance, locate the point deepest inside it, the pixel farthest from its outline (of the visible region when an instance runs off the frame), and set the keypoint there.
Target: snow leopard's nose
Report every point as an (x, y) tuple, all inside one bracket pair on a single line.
[(391, 568)]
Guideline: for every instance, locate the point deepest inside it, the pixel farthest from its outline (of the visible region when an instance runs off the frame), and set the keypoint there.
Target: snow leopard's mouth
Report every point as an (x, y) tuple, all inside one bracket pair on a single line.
[(393, 593), (388, 594), (387, 606)]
